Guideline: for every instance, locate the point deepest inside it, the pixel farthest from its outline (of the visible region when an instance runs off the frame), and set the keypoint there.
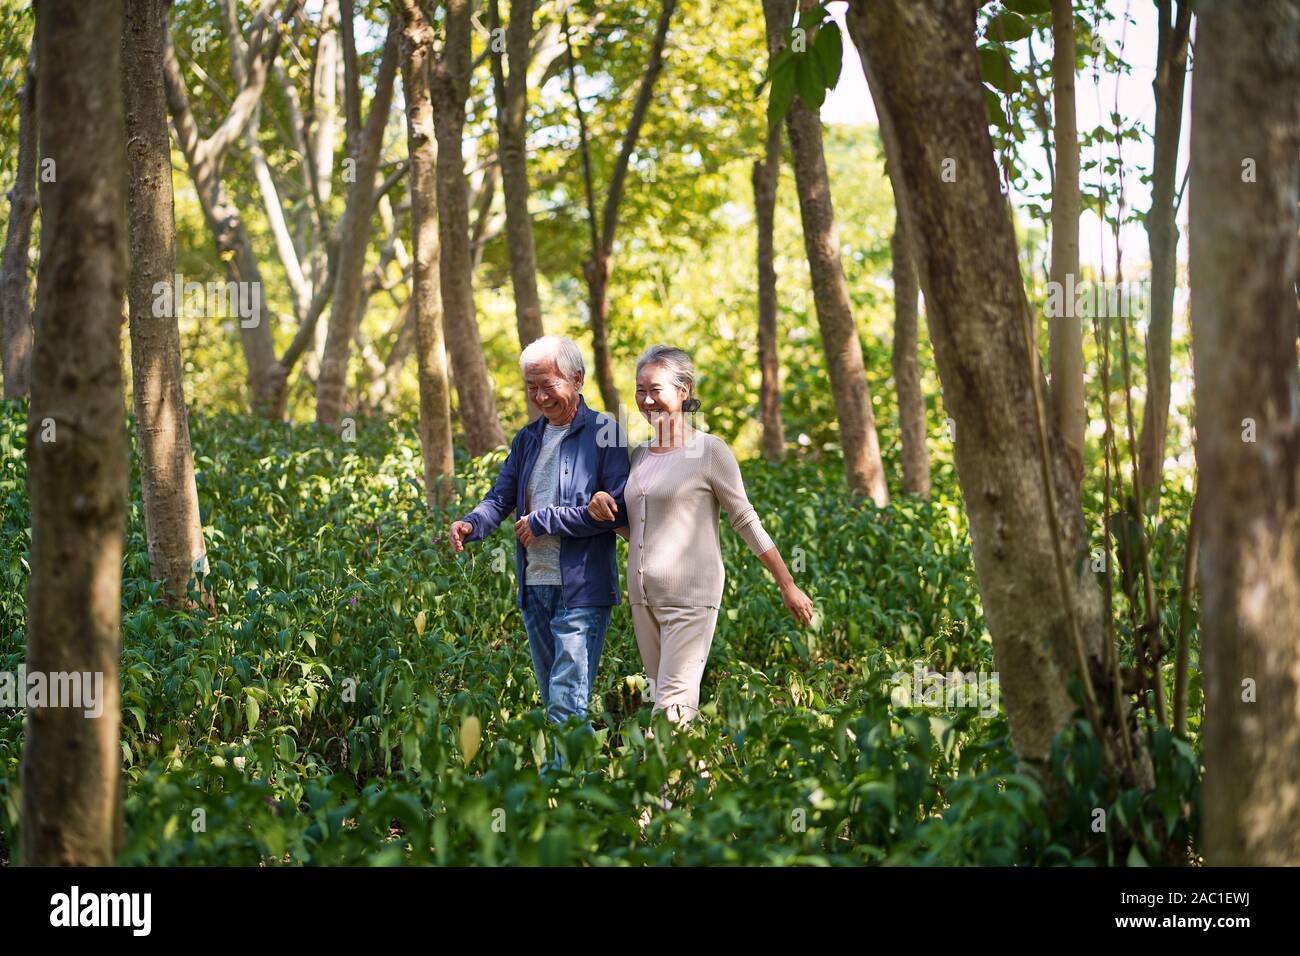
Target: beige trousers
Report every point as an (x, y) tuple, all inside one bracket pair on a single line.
[(674, 644)]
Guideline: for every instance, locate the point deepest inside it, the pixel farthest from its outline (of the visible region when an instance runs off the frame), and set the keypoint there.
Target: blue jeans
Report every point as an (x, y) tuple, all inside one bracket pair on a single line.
[(566, 643)]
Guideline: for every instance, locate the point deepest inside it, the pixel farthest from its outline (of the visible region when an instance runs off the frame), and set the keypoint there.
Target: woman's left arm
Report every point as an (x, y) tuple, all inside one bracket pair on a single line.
[(797, 603), (729, 488)]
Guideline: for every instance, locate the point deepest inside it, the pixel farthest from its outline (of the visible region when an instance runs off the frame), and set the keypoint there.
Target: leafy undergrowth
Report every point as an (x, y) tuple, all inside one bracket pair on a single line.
[(326, 713)]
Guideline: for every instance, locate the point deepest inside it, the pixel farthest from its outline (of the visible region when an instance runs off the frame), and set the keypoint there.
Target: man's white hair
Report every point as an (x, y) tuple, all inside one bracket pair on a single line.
[(554, 348)]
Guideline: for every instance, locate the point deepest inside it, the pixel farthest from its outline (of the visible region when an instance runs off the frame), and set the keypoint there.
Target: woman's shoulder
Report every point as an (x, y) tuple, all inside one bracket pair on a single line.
[(714, 447)]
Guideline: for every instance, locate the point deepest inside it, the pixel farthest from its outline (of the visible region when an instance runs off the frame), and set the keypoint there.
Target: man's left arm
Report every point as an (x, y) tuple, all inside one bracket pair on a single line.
[(573, 521)]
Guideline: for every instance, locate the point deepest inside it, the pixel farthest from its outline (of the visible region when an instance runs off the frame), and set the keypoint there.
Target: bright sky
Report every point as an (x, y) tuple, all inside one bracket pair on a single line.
[(850, 102)]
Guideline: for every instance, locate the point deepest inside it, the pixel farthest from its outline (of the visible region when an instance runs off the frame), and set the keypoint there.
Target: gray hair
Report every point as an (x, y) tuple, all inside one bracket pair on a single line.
[(554, 348), (677, 364)]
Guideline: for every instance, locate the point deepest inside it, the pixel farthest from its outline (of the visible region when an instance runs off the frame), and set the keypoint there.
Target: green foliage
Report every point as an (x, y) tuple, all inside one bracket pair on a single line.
[(810, 69), (316, 716)]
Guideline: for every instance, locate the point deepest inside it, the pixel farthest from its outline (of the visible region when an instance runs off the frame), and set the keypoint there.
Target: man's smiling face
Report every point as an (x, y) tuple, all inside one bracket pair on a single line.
[(554, 395)]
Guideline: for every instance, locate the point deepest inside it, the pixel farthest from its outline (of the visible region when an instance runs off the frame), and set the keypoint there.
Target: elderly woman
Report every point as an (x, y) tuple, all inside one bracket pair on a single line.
[(678, 482)]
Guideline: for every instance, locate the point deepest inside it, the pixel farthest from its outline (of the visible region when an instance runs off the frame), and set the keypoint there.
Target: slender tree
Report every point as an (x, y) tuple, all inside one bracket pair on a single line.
[(1245, 140), (907, 367), (1162, 236), (1065, 332), (435, 393), (449, 79), (173, 528), (511, 91), (863, 468), (15, 292), (596, 270), (351, 76), (205, 157), (355, 228), (76, 441), (904, 357), (766, 176)]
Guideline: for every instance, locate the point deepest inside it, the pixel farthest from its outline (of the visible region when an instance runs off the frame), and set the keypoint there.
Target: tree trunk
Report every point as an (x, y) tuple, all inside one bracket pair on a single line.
[(449, 88), (171, 501), (904, 248), (15, 300), (332, 380), (76, 441), (596, 270), (351, 77), (907, 369), (1065, 332), (426, 298), (863, 468), (512, 105), (1246, 113), (266, 376), (1162, 235), (767, 174), (1041, 603)]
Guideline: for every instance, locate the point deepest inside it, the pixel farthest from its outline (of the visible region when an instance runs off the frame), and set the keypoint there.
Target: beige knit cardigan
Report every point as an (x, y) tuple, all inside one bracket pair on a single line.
[(673, 499)]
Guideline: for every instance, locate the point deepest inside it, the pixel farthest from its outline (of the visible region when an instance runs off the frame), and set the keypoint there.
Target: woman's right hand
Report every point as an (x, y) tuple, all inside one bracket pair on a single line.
[(602, 507)]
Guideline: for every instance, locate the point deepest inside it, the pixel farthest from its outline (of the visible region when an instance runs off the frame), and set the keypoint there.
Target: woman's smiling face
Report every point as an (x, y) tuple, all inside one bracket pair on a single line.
[(656, 393)]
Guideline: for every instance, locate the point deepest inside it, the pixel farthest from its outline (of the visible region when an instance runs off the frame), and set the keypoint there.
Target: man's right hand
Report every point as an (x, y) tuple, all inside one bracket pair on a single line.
[(460, 530), (602, 507)]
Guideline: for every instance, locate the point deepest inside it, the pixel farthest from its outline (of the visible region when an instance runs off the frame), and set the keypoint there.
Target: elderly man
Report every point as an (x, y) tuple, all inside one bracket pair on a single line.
[(565, 560)]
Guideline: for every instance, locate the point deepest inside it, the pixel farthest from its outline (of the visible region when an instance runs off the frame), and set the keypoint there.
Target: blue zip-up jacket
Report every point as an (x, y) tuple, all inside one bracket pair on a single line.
[(593, 457)]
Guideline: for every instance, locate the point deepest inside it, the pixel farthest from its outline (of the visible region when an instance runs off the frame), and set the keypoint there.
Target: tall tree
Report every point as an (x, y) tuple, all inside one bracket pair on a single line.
[(597, 269), (907, 367), (1245, 139), (766, 176), (77, 444), (355, 228), (904, 357), (1027, 527), (449, 78), (1162, 236), (863, 467), (15, 294), (435, 392), (173, 528), (511, 92), (1065, 332), (205, 157), (299, 289)]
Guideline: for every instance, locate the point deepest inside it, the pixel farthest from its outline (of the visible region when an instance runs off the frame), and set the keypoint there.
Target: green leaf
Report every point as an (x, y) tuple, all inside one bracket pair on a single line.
[(996, 70), (828, 49), (809, 82), (1007, 27), (993, 109), (782, 95), (1028, 6), (252, 711)]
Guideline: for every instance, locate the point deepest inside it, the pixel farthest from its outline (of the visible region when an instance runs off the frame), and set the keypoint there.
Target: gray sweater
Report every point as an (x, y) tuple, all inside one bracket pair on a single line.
[(673, 501)]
